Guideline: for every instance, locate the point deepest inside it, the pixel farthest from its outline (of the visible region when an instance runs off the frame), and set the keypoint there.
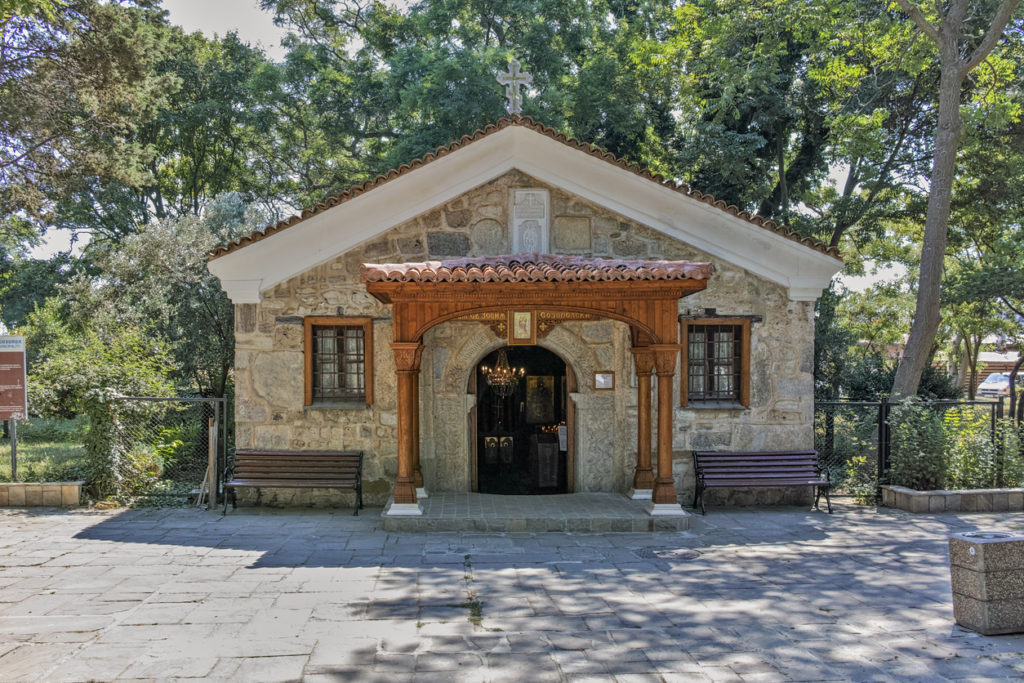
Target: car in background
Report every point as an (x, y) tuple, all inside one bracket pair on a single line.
[(996, 385)]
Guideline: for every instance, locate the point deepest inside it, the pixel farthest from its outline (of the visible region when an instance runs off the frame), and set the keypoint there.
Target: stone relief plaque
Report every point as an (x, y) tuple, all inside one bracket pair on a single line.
[(489, 237), (571, 233), (530, 220), (604, 380)]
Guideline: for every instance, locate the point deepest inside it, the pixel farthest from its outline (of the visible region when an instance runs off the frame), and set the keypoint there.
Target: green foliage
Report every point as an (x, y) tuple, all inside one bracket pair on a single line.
[(27, 283), (831, 348), (76, 80), (73, 366), (953, 447), (917, 459), (157, 280), (861, 477), (176, 445), (1011, 456), (970, 451), (868, 376), (57, 460), (83, 372)]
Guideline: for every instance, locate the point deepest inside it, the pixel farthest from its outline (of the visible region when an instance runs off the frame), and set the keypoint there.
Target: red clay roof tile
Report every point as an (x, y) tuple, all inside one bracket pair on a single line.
[(534, 267)]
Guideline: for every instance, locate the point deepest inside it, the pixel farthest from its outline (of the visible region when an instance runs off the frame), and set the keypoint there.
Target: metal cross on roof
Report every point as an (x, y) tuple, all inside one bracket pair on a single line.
[(512, 80)]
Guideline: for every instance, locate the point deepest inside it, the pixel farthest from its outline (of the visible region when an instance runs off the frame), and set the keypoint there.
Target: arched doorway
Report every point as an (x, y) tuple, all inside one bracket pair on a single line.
[(522, 440)]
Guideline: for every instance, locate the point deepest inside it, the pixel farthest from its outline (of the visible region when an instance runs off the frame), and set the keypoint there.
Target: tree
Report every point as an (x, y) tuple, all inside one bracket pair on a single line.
[(202, 142), (987, 214), (27, 283), (76, 79), (964, 33), (156, 280)]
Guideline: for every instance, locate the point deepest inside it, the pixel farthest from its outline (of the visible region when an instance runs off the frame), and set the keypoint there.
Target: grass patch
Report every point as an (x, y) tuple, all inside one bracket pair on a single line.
[(44, 461)]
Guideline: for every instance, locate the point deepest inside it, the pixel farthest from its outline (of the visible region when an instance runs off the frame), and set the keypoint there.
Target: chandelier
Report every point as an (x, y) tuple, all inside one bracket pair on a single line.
[(502, 378)]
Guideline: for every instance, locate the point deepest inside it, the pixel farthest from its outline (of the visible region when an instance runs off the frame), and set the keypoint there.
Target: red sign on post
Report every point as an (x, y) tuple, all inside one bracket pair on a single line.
[(13, 393)]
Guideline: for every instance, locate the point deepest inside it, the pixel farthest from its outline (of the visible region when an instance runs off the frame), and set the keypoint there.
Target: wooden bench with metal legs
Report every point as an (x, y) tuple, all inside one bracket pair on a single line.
[(717, 469), (295, 469)]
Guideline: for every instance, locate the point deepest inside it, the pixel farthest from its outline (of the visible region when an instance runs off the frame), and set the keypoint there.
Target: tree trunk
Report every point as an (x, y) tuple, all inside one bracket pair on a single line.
[(933, 250), (973, 343), (956, 61)]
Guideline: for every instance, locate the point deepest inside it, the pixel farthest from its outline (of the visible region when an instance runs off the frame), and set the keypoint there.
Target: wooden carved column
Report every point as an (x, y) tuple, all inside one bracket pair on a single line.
[(643, 478), (665, 364), (417, 473), (407, 367)]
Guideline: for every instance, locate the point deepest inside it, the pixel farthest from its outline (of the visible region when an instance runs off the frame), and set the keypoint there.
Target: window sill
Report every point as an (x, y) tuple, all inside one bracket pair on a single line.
[(339, 405), (714, 405)]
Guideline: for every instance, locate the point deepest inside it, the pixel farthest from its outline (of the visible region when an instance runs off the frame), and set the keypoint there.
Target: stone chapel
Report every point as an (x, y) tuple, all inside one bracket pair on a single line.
[(523, 313)]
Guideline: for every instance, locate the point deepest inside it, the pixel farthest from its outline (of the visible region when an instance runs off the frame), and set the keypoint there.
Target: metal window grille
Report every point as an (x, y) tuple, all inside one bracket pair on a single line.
[(714, 362), (339, 363)]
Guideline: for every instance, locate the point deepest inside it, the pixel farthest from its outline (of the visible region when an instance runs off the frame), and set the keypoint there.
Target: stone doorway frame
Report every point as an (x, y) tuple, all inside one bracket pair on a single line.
[(570, 418)]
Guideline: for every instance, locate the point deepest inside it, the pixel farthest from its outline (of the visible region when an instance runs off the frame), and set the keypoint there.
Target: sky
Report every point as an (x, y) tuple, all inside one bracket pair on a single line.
[(222, 16)]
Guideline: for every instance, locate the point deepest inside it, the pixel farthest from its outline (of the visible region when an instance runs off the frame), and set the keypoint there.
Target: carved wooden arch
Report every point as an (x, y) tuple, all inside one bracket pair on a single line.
[(649, 307)]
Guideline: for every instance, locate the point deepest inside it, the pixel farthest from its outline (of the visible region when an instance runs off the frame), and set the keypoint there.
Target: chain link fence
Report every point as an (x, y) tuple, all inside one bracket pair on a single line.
[(170, 441), (854, 438), (165, 447)]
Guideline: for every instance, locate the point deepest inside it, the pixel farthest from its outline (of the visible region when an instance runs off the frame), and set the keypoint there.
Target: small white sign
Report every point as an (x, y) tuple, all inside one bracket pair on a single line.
[(563, 438)]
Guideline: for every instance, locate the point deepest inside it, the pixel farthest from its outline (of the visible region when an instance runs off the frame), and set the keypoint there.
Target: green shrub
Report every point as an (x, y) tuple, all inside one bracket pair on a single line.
[(918, 454), (860, 478), (970, 451), (1013, 453)]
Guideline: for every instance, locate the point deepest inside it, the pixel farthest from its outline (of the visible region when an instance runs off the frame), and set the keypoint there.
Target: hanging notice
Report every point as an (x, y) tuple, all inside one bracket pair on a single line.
[(13, 394)]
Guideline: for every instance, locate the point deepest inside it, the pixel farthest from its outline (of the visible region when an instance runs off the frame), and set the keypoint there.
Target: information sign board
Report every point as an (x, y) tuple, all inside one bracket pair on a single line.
[(13, 393)]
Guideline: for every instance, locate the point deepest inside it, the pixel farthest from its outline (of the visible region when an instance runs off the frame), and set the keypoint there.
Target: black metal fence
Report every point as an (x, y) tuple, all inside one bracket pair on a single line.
[(854, 438)]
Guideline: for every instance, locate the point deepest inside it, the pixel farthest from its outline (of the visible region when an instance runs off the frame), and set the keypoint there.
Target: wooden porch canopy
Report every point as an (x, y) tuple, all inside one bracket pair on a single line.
[(642, 294)]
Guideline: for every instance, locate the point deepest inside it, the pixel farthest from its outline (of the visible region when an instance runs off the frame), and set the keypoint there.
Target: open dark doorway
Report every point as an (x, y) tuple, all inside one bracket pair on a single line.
[(522, 438)]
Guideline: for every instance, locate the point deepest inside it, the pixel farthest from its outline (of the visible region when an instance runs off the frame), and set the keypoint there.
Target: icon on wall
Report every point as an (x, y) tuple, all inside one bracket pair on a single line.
[(522, 328)]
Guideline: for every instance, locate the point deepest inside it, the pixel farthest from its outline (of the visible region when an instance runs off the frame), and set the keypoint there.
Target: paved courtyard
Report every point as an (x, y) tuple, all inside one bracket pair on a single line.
[(287, 595)]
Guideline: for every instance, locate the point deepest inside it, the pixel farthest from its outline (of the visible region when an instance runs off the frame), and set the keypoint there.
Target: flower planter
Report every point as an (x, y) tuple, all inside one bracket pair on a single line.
[(975, 500), (48, 494)]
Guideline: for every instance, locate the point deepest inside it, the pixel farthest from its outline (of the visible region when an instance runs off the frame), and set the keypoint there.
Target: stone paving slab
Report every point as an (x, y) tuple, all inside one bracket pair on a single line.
[(743, 595)]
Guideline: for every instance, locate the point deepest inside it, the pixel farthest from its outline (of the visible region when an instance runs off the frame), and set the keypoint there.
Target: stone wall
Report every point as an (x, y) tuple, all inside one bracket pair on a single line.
[(269, 354)]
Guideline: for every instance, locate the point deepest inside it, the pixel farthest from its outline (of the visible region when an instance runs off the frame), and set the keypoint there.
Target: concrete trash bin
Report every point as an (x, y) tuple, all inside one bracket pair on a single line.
[(987, 573)]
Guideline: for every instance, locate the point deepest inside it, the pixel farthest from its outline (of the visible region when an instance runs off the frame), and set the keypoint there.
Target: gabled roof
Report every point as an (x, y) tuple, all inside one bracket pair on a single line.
[(255, 263), (527, 122), (534, 268)]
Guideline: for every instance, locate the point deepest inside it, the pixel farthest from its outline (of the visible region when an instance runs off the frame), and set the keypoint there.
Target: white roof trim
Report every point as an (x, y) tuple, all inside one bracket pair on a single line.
[(244, 273)]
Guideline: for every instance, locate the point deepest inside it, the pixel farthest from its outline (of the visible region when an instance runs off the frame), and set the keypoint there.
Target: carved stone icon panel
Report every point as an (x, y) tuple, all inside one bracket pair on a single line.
[(571, 234), (531, 219)]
